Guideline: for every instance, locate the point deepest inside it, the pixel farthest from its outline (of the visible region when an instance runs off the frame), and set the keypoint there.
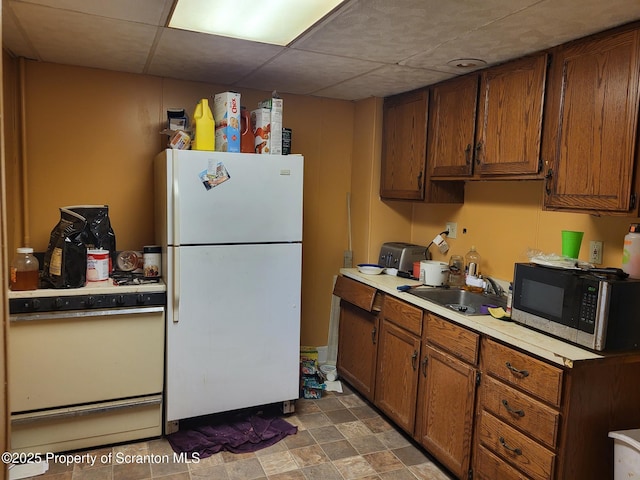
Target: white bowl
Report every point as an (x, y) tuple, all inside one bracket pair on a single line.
[(370, 268)]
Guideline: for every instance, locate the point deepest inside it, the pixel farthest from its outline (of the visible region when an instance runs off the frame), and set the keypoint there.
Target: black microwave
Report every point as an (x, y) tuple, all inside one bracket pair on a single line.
[(599, 311)]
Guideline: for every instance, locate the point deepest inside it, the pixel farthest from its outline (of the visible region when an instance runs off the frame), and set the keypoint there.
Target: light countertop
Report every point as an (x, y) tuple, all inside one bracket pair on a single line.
[(91, 288), (529, 340)]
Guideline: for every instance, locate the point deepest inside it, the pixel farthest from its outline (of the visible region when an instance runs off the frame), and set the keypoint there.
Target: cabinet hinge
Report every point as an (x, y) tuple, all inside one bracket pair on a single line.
[(470, 475), (478, 374), (634, 197)]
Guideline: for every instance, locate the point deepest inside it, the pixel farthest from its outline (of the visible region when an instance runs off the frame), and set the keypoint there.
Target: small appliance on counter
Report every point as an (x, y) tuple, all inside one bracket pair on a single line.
[(595, 308), (401, 255)]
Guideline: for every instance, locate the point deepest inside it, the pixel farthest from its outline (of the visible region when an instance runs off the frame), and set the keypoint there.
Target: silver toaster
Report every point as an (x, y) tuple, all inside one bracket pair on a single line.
[(401, 255)]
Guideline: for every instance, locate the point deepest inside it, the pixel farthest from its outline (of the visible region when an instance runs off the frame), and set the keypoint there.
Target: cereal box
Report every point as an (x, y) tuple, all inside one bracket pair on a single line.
[(261, 126), (226, 113), (276, 106)]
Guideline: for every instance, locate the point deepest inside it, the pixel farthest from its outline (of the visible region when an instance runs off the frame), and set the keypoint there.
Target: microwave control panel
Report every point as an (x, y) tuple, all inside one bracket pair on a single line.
[(589, 306)]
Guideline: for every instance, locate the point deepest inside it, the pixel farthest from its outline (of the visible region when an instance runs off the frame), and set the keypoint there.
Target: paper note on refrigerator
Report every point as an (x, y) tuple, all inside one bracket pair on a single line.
[(214, 175)]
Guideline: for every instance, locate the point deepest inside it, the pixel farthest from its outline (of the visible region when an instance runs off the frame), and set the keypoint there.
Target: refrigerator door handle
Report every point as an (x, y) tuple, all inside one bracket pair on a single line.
[(176, 285), (176, 203)]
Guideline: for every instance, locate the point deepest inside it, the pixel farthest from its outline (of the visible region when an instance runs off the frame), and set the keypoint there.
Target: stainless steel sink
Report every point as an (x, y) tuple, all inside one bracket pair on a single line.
[(462, 301)]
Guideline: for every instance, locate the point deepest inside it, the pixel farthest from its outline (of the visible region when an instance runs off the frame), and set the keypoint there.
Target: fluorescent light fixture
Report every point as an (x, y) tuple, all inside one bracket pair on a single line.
[(269, 21)]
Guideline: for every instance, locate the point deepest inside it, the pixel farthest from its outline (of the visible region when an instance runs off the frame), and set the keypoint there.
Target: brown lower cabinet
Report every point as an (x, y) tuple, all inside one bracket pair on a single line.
[(446, 398), (483, 408), (358, 334), (398, 360)]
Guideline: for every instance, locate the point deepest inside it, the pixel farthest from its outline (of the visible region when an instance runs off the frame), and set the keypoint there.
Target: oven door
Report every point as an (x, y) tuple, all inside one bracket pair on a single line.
[(549, 293), (60, 359)]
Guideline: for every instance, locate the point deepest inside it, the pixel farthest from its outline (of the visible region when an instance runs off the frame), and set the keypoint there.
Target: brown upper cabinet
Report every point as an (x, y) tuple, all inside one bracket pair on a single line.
[(404, 140), (590, 128), (403, 145), (488, 125)]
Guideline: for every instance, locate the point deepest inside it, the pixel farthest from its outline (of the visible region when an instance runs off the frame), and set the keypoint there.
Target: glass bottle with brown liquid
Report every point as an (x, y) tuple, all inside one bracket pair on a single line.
[(24, 270)]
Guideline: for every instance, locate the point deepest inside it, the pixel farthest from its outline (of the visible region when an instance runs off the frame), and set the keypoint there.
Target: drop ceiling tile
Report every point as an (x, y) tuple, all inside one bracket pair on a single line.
[(13, 37), (389, 32), (207, 58), (72, 38), (541, 26), (150, 12), (385, 81), (300, 72)]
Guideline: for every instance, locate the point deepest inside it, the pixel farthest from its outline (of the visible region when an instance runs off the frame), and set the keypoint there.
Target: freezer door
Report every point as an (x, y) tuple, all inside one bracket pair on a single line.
[(236, 341), (221, 197)]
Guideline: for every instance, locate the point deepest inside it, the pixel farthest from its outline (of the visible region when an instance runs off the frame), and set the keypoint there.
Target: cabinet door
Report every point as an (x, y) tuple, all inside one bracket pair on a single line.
[(397, 374), (510, 118), (357, 347), (404, 146), (445, 409), (451, 132), (589, 137)]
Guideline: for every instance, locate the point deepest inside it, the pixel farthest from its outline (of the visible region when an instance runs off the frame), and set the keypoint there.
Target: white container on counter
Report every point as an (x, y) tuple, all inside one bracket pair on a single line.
[(631, 251), (152, 255), (434, 273), (97, 265)]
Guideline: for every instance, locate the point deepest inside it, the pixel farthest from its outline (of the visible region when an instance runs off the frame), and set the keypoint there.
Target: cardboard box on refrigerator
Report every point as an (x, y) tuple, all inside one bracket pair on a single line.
[(261, 126), (276, 105), (226, 114)]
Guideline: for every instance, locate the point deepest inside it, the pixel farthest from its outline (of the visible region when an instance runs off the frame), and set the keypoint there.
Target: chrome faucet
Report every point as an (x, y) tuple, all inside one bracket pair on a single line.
[(497, 289)]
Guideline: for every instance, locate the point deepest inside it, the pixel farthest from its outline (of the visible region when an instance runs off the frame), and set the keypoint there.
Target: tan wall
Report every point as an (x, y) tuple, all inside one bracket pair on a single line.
[(505, 220), (91, 136), (374, 221)]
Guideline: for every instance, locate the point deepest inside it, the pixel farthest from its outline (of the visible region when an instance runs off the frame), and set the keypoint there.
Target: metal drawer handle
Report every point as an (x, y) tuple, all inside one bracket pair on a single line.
[(519, 413), (524, 373), (517, 451), (413, 359), (424, 362), (373, 335)]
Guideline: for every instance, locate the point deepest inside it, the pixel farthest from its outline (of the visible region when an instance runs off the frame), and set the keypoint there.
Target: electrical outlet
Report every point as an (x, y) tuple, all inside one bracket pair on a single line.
[(348, 259), (595, 252), (452, 227)]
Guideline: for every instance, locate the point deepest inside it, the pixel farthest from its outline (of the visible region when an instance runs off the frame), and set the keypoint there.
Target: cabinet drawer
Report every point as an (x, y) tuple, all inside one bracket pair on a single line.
[(520, 410), (515, 448), (519, 369), (356, 293), (459, 341), (403, 315), (489, 467)]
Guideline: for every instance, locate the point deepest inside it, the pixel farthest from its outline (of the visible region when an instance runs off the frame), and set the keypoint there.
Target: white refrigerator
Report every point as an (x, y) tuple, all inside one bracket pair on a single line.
[(230, 225)]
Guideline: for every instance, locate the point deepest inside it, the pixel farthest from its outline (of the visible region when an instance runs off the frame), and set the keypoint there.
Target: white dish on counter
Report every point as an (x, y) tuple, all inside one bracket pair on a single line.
[(370, 268)]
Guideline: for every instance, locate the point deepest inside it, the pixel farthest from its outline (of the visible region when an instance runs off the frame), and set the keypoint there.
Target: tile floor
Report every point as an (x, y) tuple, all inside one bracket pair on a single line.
[(340, 437)]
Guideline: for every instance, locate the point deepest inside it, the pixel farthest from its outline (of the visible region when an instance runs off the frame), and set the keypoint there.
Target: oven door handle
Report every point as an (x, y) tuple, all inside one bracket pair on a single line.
[(98, 312)]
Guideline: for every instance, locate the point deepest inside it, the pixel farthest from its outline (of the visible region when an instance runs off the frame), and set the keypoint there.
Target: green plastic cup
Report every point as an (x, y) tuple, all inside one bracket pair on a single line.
[(571, 242)]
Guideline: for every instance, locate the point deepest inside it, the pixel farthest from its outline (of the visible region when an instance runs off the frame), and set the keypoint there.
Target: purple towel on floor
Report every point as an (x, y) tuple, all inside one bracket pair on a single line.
[(247, 435)]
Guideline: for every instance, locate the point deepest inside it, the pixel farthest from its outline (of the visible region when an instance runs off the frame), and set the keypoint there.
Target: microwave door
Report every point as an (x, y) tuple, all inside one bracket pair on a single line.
[(548, 294), (547, 301)]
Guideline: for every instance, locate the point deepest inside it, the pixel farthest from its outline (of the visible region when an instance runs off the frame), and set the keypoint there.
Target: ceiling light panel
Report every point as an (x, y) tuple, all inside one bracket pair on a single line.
[(277, 22)]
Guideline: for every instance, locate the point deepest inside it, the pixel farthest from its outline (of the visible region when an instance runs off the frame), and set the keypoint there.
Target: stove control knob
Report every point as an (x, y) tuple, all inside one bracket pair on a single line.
[(140, 299), (91, 301), (120, 300), (35, 304), (58, 302)]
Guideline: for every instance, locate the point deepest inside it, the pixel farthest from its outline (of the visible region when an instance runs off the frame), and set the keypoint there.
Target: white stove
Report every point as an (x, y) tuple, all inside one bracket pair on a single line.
[(86, 366)]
